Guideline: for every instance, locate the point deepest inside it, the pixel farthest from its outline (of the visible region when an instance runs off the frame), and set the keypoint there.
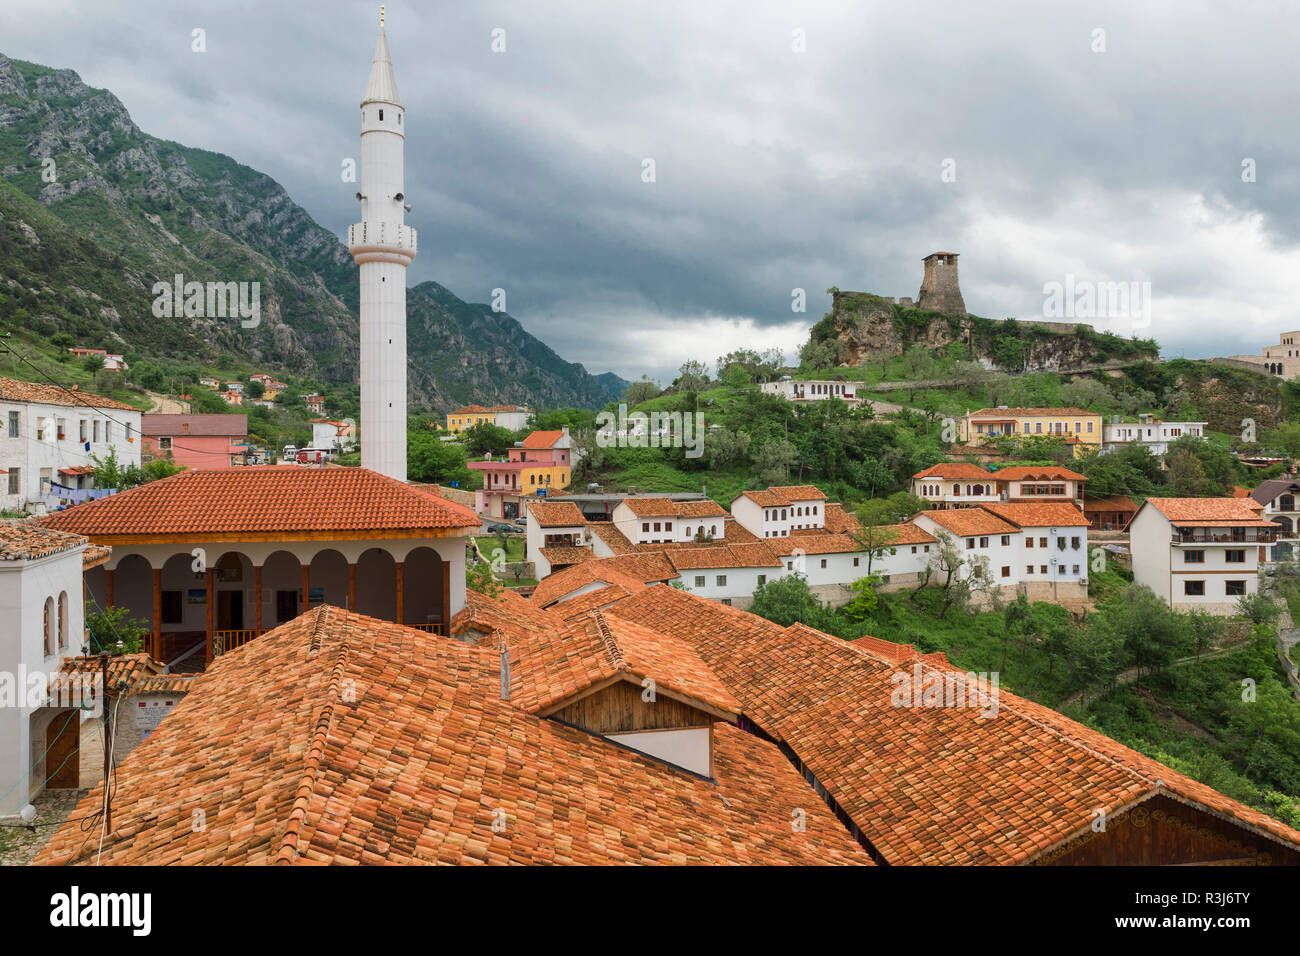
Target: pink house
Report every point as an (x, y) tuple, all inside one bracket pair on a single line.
[(195, 441)]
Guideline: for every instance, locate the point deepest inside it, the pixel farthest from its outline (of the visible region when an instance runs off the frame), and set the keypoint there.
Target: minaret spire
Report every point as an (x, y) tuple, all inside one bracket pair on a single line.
[(383, 246)]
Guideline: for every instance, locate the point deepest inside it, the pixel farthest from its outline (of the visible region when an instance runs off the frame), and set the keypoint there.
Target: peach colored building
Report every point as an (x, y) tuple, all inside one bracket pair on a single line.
[(195, 441)]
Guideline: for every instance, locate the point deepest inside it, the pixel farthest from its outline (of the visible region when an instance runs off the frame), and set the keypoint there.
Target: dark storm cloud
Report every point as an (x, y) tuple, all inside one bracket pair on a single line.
[(775, 169)]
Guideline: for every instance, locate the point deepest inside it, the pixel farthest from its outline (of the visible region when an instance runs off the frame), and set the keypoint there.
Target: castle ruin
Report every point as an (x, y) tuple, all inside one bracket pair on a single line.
[(939, 289)]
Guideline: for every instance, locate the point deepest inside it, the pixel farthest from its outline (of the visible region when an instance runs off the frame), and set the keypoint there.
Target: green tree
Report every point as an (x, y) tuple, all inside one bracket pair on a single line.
[(485, 438), (109, 626)]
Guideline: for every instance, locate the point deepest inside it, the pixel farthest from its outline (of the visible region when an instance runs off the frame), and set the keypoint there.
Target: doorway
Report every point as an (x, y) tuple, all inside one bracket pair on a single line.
[(230, 610), (63, 758)]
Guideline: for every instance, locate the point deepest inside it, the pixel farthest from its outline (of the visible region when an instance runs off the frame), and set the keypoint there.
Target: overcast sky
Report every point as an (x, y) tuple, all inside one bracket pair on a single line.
[(776, 168)]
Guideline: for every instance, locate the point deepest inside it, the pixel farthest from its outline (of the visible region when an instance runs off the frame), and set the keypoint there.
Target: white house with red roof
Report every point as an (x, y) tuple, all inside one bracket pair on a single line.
[(663, 521), (49, 438), (214, 558), (1201, 553), (41, 573), (774, 512), (955, 484)]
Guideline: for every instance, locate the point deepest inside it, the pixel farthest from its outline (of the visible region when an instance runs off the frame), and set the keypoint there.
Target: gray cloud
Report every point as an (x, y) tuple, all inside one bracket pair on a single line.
[(775, 169)]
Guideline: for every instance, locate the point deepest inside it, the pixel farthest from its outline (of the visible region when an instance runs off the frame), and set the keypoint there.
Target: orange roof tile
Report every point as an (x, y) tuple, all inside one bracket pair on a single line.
[(262, 499), (782, 496), (507, 613), (416, 766), (614, 539), (838, 520), (13, 390), (651, 507), (26, 540), (1109, 503), (556, 514), (1028, 412), (688, 557), (631, 571), (1038, 472), (951, 470), (1039, 514), (812, 541), (1191, 512), (924, 784), (543, 439), (560, 556), (968, 521), (591, 601)]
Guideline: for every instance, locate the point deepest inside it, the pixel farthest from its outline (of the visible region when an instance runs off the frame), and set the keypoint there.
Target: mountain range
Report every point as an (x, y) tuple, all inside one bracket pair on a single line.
[(94, 211)]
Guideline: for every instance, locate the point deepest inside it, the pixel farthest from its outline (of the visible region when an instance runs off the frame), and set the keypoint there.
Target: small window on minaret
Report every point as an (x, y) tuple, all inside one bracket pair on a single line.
[(381, 116)]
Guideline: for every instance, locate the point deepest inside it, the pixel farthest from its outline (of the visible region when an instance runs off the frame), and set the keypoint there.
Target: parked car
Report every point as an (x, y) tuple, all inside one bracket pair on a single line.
[(502, 528), (521, 522)]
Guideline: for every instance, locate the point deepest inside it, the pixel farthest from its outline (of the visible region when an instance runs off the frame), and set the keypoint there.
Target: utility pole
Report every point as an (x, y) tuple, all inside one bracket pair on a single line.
[(108, 741)]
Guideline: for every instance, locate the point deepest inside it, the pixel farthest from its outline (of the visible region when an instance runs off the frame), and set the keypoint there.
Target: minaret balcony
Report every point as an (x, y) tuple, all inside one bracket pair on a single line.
[(382, 240)]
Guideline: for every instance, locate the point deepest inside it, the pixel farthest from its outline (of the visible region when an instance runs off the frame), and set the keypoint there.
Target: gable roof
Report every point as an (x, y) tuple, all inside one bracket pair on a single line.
[(13, 390), (265, 499), (157, 425), (556, 514), (25, 540), (968, 521), (1192, 512), (545, 439), (411, 767), (698, 557), (924, 784), (1109, 503), (781, 496), (614, 539), (1268, 491), (631, 571)]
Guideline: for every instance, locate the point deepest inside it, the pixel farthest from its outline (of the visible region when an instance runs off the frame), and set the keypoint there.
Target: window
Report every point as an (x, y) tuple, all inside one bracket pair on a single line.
[(13, 424), (823, 562), (984, 542), (108, 431), (1231, 588), (727, 601), (15, 482), (1074, 569), (914, 549), (645, 525), (1193, 557), (856, 560), (926, 548), (1006, 570), (63, 619), (1194, 588), (49, 626), (1029, 542), (1074, 542), (1042, 542), (657, 526), (172, 608), (1029, 569), (1235, 556), (699, 580), (165, 444), (82, 431), (1089, 428), (722, 580), (1042, 569), (668, 526), (1006, 540), (970, 544), (789, 565), (381, 116), (1060, 544), (762, 579)]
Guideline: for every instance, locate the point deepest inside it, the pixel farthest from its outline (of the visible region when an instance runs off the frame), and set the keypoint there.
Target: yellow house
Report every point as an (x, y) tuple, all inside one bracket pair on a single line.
[(510, 417), (1079, 428)]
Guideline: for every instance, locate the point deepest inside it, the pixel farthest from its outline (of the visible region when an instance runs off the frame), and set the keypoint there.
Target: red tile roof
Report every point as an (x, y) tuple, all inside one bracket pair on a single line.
[(1037, 472), (812, 541), (838, 520), (561, 556), (968, 521), (782, 496), (175, 425), (1039, 514), (1190, 512), (506, 614), (687, 557), (955, 470), (556, 514), (1000, 413), (26, 540), (924, 784), (614, 539), (543, 439), (12, 390), (265, 499), (1109, 503), (417, 764), (631, 571)]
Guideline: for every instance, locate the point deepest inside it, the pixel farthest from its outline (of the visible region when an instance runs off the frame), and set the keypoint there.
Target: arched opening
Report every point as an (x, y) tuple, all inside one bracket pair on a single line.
[(1286, 503), (63, 620), (49, 626), (422, 590), (128, 585), (329, 579), (282, 584), (182, 608), (377, 584), (234, 601)]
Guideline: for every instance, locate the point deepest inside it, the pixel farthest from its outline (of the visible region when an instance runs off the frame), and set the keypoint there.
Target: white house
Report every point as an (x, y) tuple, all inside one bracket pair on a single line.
[(49, 437), (554, 530), (44, 618), (955, 484), (662, 520), (1201, 553), (776, 511), (1149, 431), (812, 390), (333, 436)]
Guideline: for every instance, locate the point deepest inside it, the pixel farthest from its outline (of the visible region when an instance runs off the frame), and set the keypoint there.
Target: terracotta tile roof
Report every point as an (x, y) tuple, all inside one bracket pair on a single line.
[(838, 520), (1001, 413), (614, 539), (968, 521), (1039, 514), (906, 534), (585, 603), (736, 533), (174, 425), (166, 684), (707, 508), (508, 613), (469, 410), (566, 555), (94, 556), (812, 541), (1109, 503), (543, 439), (12, 390), (924, 784), (556, 514), (651, 507), (951, 470), (1240, 492), (265, 498), (782, 496), (1190, 512), (1037, 472), (26, 540), (418, 765), (687, 557), (546, 670), (125, 672), (631, 571)]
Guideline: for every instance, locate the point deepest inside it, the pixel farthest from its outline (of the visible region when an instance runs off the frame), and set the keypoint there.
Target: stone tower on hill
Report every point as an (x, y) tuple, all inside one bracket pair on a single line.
[(939, 289)]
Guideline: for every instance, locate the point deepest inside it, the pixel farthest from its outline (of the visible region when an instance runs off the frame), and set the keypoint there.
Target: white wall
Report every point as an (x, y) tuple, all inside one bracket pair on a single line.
[(687, 748)]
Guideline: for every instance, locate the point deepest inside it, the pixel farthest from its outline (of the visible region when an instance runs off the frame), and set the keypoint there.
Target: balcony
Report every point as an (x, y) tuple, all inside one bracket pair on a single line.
[(1225, 537)]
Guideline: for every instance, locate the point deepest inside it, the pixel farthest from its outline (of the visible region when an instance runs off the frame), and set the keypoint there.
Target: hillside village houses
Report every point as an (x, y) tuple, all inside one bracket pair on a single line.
[(1079, 428), (49, 437), (1201, 553), (510, 417), (333, 437), (811, 390), (194, 440), (1148, 431), (1281, 500), (113, 361), (539, 464)]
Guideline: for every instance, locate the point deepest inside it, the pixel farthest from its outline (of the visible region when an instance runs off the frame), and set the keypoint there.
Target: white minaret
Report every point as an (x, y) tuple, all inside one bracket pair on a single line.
[(383, 247)]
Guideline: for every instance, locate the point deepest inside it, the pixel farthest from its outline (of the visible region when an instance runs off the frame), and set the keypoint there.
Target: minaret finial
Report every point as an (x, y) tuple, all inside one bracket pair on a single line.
[(381, 14)]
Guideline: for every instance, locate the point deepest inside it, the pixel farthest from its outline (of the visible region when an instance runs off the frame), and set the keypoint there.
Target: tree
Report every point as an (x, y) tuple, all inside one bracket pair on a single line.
[(479, 578), (865, 599), (109, 626), (1258, 608), (949, 561), (876, 534), (1186, 476), (642, 390), (724, 447), (691, 377), (773, 461), (255, 389), (431, 460), (485, 438), (787, 600)]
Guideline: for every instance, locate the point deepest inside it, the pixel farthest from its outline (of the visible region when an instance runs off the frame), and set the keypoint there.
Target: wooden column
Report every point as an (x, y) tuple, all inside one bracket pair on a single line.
[(209, 601), (399, 575), (306, 590), (156, 651), (108, 587), (257, 600), (352, 586)]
